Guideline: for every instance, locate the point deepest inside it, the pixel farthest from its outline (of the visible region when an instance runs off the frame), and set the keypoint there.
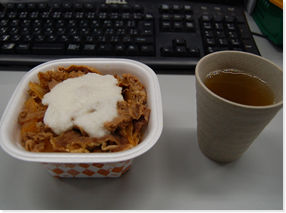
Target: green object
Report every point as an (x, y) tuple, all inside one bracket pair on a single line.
[(269, 19)]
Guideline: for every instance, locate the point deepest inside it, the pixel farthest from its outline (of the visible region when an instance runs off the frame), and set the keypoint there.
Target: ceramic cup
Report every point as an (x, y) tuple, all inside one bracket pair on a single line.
[(226, 129)]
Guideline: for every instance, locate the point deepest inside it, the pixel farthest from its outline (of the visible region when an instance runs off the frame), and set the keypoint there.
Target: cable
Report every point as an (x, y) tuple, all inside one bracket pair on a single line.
[(258, 34)]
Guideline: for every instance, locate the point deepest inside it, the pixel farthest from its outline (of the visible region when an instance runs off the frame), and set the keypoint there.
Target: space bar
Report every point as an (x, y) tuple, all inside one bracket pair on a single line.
[(48, 49)]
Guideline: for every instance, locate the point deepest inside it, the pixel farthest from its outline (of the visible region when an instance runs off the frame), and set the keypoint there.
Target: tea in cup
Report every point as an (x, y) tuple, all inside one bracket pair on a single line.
[(237, 95)]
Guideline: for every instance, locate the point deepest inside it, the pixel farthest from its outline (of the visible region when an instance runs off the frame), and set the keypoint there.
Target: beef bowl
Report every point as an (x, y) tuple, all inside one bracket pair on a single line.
[(27, 132)]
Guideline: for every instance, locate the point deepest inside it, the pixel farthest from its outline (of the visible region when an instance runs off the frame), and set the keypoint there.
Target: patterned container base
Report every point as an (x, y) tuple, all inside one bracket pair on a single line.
[(86, 170)]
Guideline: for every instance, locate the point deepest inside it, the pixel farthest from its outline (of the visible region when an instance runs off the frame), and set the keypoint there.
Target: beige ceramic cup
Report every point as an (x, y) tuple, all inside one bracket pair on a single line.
[(226, 129)]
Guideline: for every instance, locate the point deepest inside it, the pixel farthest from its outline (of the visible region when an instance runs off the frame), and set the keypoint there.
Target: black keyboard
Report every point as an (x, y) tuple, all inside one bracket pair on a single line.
[(165, 35)]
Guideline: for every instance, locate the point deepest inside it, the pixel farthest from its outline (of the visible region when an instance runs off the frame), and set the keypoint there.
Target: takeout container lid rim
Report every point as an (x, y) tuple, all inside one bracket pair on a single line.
[(140, 149)]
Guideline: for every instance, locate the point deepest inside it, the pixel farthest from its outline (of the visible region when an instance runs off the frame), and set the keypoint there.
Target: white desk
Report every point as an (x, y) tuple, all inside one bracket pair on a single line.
[(174, 174)]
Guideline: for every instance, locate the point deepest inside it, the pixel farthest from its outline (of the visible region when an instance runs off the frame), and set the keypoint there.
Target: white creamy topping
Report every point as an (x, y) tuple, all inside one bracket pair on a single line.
[(87, 101)]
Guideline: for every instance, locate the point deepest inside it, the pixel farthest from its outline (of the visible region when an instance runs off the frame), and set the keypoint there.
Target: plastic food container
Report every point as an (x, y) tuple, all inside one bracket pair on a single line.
[(268, 16), (84, 164)]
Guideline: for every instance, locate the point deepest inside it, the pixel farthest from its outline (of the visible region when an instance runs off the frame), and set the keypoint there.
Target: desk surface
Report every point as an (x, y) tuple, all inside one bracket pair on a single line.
[(174, 174)]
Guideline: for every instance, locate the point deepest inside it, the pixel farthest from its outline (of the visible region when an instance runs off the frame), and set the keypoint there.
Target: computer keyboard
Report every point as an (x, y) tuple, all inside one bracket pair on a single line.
[(165, 35)]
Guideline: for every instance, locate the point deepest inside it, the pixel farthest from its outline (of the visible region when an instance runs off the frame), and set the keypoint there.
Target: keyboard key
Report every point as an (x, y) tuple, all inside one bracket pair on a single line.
[(73, 49), (178, 26), (8, 48), (21, 6), (222, 42), (207, 26), (119, 50), (218, 18), (3, 22), (248, 45), (232, 34), (45, 15), (3, 30), (240, 20), (31, 6), (89, 49), (132, 50), (190, 27), (234, 42), (194, 52), (138, 8), (189, 18), (137, 16), (165, 8), (149, 17), (89, 7), (23, 48), (126, 8), (39, 38), (144, 40), (229, 19), (166, 17), (15, 38), (67, 6), (180, 51), (10, 6), (4, 38), (216, 49), (219, 26), (46, 49), (103, 8), (177, 17), (210, 42), (76, 39), (166, 26), (206, 18), (127, 40), (179, 42), (14, 31), (27, 38), (187, 9), (43, 7), (243, 31), (102, 40), (119, 24), (114, 40), (147, 50), (167, 51), (105, 49), (89, 39), (230, 27), (208, 34), (220, 34), (147, 32), (176, 8), (51, 38)]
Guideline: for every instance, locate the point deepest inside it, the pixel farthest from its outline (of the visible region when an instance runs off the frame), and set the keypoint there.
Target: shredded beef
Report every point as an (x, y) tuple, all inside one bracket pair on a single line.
[(125, 129)]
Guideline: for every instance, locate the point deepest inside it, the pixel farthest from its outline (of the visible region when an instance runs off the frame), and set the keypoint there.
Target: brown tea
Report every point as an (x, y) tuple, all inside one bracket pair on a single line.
[(240, 87)]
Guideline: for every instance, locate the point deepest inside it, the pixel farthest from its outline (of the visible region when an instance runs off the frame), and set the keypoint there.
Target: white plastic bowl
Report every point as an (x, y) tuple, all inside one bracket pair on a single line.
[(10, 129)]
